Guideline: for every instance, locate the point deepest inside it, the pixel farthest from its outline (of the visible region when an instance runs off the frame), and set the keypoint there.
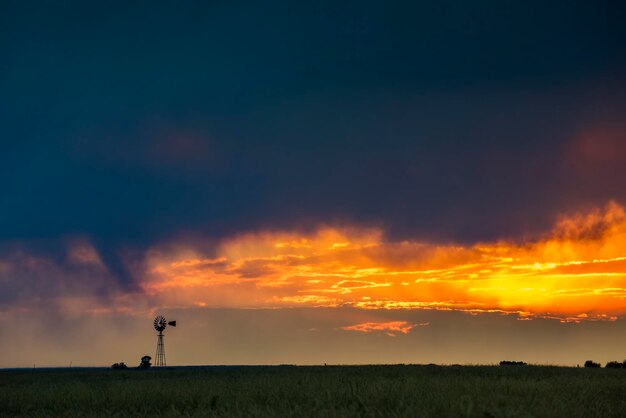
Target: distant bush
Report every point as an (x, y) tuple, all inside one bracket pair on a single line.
[(512, 363), (119, 366), (614, 365), (591, 364)]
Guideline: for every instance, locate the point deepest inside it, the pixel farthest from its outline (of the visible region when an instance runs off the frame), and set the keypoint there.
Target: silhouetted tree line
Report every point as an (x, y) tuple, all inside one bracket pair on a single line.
[(119, 366), (512, 363), (609, 365), (145, 364)]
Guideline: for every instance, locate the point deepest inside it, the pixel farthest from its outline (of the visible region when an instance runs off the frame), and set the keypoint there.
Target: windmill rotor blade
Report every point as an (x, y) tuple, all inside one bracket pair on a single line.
[(160, 323)]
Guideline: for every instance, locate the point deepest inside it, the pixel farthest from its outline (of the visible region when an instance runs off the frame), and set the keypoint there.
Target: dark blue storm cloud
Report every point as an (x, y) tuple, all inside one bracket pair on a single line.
[(453, 120)]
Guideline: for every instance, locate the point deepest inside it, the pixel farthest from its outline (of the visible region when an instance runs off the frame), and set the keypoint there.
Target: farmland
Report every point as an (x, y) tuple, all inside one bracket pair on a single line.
[(377, 391)]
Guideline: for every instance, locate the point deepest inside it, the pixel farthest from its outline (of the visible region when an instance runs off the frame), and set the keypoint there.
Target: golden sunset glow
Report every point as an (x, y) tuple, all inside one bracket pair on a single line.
[(576, 272)]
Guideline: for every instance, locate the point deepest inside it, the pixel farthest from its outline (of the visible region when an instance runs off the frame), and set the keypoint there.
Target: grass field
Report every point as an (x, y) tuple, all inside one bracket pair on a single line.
[(379, 391)]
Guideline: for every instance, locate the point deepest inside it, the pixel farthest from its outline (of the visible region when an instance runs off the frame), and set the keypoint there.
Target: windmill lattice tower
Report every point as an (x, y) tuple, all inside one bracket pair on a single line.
[(159, 324)]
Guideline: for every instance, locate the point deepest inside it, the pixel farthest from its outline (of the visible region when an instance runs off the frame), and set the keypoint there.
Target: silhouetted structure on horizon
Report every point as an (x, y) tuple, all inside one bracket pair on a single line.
[(145, 362), (159, 324)]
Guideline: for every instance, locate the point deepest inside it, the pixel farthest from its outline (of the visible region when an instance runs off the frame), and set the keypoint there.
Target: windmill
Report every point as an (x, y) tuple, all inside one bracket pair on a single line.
[(159, 324)]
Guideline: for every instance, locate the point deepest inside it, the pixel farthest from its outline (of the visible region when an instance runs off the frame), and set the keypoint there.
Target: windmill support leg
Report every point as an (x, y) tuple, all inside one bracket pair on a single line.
[(160, 353)]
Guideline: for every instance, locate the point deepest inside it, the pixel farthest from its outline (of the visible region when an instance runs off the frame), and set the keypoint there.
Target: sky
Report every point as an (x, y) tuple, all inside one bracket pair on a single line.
[(334, 182)]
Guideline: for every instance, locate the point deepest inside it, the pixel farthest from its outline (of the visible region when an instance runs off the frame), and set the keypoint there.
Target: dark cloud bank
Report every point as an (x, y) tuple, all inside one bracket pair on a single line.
[(449, 121)]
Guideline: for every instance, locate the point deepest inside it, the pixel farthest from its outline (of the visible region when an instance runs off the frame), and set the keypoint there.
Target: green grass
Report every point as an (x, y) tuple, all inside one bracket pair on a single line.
[(377, 391)]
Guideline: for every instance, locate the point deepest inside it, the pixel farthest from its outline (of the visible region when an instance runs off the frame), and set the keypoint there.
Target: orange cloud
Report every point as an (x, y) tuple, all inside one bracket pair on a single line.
[(576, 272), (389, 328)]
